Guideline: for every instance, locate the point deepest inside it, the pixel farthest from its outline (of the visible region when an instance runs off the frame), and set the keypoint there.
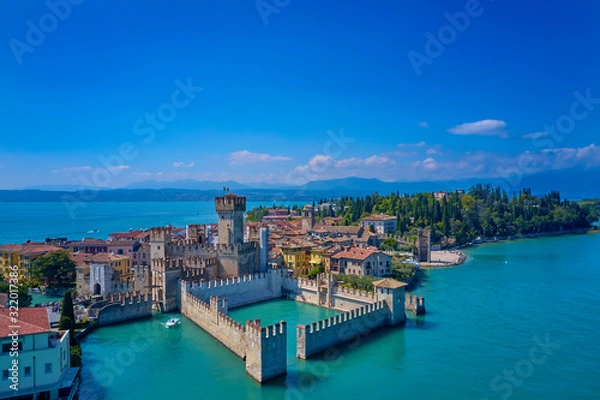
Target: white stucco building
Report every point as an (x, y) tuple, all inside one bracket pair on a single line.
[(44, 368), (381, 223)]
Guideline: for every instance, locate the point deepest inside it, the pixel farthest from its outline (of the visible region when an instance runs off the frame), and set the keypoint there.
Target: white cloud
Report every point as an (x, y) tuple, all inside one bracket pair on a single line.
[(565, 157), (71, 169), (423, 124), (181, 164), (419, 144), (432, 151), (378, 161), (486, 127), (118, 168), (349, 162), (247, 157), (317, 163), (536, 135), (142, 174)]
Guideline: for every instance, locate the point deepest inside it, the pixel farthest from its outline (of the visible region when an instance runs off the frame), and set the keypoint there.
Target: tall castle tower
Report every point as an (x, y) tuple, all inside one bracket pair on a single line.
[(231, 209), (159, 238), (308, 217)]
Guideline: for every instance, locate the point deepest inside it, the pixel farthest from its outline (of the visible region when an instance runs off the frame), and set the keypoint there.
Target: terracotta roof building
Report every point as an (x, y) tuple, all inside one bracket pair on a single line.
[(361, 261), (44, 357)]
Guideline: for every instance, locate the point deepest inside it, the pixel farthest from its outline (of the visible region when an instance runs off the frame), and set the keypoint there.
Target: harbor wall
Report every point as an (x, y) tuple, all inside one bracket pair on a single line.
[(415, 304), (319, 336), (262, 348), (124, 307), (242, 290)]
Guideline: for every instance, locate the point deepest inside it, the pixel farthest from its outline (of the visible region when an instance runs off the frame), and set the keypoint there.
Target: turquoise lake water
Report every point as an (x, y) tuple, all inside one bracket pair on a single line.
[(37, 221), (479, 340), (485, 318)]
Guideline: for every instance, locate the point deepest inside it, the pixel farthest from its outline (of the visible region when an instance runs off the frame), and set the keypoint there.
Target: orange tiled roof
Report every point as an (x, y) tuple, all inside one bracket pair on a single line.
[(355, 253), (28, 248), (389, 283), (31, 320), (107, 257), (378, 217)]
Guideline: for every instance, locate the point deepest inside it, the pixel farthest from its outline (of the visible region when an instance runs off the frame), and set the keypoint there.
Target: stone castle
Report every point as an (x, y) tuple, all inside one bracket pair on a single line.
[(196, 258), (204, 280), (264, 348)]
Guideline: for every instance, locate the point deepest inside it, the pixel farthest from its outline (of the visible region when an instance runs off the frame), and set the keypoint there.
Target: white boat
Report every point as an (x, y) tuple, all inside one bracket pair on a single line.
[(173, 322)]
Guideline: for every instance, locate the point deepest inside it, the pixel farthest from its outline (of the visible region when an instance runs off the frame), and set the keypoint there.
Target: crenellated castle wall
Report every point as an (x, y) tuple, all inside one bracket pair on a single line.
[(415, 304), (212, 317), (240, 291), (262, 348), (123, 307), (319, 336)]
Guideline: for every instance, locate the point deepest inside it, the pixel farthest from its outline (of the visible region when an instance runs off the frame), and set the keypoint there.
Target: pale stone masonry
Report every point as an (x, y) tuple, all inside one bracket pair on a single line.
[(264, 348)]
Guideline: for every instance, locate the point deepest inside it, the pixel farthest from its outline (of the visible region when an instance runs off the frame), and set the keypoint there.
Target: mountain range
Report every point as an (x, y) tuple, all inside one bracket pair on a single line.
[(572, 183)]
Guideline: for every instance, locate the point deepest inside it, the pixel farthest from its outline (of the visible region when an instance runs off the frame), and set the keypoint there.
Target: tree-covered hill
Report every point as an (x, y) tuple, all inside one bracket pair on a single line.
[(483, 211)]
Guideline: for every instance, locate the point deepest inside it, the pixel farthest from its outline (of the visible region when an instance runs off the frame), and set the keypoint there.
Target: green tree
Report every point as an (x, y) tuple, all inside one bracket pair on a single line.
[(24, 298), (67, 316), (316, 270), (57, 269), (389, 244), (76, 355)]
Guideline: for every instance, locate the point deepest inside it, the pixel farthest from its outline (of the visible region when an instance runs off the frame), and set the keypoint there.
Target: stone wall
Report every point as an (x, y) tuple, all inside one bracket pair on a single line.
[(319, 336), (124, 307), (415, 304), (266, 350), (214, 320), (326, 294), (263, 349), (241, 291)]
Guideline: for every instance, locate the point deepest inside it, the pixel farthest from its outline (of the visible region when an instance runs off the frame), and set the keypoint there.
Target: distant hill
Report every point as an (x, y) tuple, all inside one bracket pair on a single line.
[(572, 183), (188, 184)]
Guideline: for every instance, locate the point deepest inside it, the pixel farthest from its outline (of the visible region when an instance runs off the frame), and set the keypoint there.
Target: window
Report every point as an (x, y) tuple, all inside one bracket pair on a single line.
[(48, 368), (7, 347), (27, 371)]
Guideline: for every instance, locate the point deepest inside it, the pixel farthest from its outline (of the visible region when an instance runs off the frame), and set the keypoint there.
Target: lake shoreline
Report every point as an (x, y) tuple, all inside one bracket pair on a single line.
[(461, 258)]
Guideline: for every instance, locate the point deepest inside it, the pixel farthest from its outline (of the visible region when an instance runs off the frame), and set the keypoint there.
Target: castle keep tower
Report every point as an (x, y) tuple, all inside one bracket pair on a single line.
[(308, 217), (231, 209), (424, 245)]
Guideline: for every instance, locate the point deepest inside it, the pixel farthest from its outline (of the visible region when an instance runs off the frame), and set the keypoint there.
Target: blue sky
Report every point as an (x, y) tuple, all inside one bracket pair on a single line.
[(114, 93)]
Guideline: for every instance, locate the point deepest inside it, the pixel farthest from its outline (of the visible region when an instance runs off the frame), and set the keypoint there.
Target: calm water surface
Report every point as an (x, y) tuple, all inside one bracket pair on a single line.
[(484, 318)]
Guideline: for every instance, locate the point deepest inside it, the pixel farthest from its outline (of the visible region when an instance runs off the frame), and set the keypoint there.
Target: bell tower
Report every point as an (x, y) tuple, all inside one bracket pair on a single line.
[(231, 209), (308, 217)]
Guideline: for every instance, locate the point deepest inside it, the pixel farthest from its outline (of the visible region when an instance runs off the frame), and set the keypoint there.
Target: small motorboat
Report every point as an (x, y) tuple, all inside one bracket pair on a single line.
[(173, 322)]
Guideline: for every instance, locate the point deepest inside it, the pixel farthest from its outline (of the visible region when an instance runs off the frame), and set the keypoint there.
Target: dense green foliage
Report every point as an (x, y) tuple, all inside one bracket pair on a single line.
[(483, 211), (256, 214), (56, 269), (67, 316), (76, 355), (356, 282), (402, 271), (314, 271), (24, 298), (389, 244)]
